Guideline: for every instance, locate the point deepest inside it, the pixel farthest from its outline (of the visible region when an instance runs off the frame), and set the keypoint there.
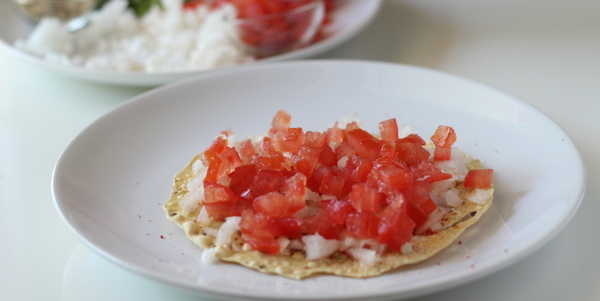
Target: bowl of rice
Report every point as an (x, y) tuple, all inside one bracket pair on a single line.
[(175, 39)]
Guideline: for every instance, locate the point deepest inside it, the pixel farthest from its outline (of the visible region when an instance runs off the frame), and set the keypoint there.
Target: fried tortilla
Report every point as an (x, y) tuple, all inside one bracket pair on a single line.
[(296, 266)]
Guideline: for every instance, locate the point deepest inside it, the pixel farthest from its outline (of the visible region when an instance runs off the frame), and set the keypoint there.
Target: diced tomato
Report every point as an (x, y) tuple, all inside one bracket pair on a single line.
[(215, 193), (289, 140), (344, 149), (258, 232), (365, 198), (395, 228), (426, 171), (479, 179), (193, 4), (282, 120), (286, 203), (388, 129), (419, 202), (444, 136), (442, 153), (362, 224), (392, 177), (220, 211), (337, 210), (412, 138), (246, 151), (411, 153), (274, 162), (335, 137), (387, 151), (289, 227), (360, 168), (314, 182), (321, 224), (215, 149), (363, 143), (294, 189), (327, 157), (267, 149), (307, 159), (242, 178), (314, 139), (267, 181), (332, 182), (229, 161), (212, 172)]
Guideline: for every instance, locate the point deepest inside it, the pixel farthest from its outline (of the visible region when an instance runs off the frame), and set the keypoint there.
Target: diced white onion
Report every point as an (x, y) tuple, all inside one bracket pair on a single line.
[(227, 229), (478, 196), (364, 256), (316, 247)]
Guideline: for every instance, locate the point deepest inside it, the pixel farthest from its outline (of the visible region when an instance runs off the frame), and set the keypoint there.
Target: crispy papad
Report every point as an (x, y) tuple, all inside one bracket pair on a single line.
[(296, 266)]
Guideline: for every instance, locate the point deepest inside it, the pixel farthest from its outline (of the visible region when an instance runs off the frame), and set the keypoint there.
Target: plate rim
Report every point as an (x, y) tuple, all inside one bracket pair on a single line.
[(456, 279), (158, 78)]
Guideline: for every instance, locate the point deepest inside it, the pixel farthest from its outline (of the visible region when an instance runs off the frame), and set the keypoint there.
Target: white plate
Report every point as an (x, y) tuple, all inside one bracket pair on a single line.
[(348, 20), (111, 180)]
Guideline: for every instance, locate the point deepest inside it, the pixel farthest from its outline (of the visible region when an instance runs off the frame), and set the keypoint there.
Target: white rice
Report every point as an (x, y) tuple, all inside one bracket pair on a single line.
[(164, 40)]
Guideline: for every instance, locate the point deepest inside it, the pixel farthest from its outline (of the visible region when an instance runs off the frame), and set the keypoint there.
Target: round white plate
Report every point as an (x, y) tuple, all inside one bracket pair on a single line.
[(349, 18), (111, 181)]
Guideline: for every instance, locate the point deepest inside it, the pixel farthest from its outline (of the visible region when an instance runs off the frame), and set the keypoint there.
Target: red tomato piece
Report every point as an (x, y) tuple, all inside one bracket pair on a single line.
[(215, 149), (360, 168), (321, 224), (363, 143), (337, 210), (257, 230), (289, 140), (306, 160), (411, 153), (352, 126), (387, 151), (294, 189), (395, 228), (314, 139), (288, 227), (215, 193), (344, 149), (388, 129), (412, 138), (327, 157), (419, 203), (246, 151), (314, 182), (442, 153), (193, 4), (220, 211), (335, 137), (267, 181), (229, 161), (479, 179), (365, 198), (362, 224), (332, 182), (444, 136), (426, 171), (242, 178), (212, 172), (392, 177)]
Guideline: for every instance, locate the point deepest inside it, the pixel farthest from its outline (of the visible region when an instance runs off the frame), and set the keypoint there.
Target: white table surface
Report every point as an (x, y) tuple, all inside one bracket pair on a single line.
[(544, 52)]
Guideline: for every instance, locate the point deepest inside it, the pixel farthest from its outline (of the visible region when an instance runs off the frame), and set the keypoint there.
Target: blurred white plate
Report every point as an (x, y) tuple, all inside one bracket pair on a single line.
[(111, 181), (349, 18)]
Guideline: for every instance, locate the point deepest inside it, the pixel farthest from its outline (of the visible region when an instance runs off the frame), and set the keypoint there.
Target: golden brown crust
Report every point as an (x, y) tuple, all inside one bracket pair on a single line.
[(297, 266)]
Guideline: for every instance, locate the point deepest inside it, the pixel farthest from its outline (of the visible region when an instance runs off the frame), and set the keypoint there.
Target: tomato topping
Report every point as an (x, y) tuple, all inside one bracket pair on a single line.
[(426, 171), (281, 121), (411, 153), (479, 179), (246, 151), (388, 129), (289, 140), (327, 157), (368, 187), (444, 136), (442, 153), (242, 178), (395, 228), (337, 210), (365, 198), (335, 137), (215, 193), (362, 224), (363, 143), (412, 138)]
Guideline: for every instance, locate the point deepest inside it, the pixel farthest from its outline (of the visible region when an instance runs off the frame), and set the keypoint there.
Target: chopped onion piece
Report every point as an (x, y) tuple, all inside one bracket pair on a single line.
[(227, 229), (317, 247)]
